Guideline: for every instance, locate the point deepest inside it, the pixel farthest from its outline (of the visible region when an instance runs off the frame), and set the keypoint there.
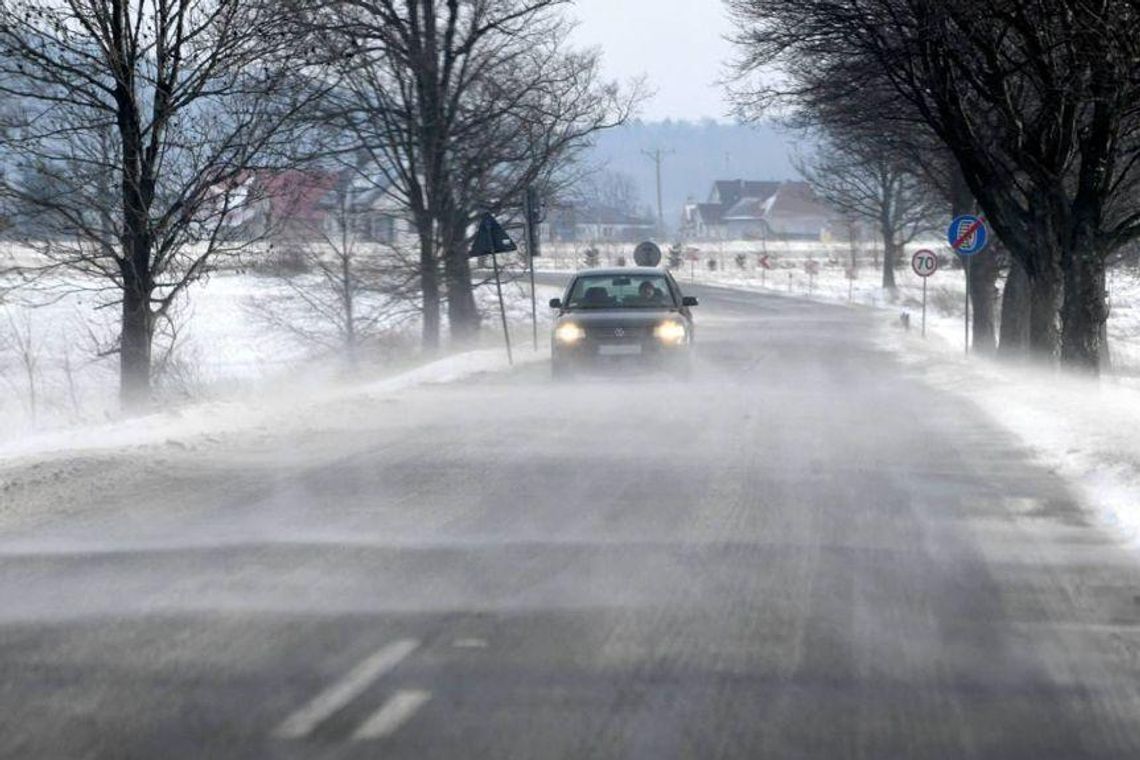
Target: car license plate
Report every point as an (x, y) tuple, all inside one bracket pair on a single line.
[(619, 350)]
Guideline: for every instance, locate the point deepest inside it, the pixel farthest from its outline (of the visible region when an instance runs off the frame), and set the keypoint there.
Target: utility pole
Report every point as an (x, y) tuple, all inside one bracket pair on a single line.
[(657, 156)]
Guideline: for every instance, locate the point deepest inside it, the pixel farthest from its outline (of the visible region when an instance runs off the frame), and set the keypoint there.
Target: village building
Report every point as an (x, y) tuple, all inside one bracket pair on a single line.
[(596, 224), (314, 206), (757, 210)]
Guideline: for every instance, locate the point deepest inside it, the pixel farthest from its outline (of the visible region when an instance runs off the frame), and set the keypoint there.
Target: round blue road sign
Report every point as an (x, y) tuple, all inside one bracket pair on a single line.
[(967, 234)]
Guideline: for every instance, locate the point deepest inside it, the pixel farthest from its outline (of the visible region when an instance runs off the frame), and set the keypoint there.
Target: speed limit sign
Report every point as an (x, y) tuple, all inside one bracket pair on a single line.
[(924, 263)]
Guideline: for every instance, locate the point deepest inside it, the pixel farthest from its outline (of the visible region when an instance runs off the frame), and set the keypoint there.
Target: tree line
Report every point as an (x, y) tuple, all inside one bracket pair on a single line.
[(1025, 110), (130, 129)]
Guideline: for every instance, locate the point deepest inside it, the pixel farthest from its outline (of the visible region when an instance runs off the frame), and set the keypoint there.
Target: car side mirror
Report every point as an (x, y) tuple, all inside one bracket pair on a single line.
[(689, 301), (556, 303)]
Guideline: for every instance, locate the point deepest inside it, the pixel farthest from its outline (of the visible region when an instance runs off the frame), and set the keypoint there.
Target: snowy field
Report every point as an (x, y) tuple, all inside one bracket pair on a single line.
[(53, 377)]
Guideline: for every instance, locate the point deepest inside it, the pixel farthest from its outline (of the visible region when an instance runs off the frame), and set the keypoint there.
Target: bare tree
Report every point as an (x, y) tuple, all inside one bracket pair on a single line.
[(23, 341), (874, 186), (138, 122), (8, 281), (543, 112), (351, 288), (462, 104), (1036, 101), (863, 112), (605, 188)]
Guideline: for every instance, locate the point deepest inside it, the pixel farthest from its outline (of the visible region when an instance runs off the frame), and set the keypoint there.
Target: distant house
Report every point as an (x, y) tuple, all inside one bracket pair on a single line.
[(596, 224), (309, 206), (756, 210)]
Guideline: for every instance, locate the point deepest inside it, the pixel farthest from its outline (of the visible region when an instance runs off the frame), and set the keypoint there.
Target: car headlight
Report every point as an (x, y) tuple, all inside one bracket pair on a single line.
[(670, 332), (568, 332)]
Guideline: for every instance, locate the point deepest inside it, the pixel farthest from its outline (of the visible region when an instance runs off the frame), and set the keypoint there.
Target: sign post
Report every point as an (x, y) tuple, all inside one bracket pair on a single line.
[(492, 239), (531, 215), (811, 266), (924, 263), (967, 235)]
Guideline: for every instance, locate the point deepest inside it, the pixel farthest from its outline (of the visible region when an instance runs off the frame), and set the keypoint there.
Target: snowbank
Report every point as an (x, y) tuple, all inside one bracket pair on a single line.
[(1086, 430), (52, 377), (296, 406)]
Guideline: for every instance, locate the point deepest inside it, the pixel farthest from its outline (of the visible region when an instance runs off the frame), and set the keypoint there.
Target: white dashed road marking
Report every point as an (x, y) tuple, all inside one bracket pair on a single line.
[(469, 643), (303, 721), (392, 714)]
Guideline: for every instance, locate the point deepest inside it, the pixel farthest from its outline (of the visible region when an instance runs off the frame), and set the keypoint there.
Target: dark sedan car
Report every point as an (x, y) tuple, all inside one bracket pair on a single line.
[(628, 314)]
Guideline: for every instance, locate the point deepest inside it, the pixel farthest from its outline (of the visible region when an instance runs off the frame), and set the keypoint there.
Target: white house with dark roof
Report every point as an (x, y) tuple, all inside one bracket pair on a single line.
[(596, 224), (757, 210)]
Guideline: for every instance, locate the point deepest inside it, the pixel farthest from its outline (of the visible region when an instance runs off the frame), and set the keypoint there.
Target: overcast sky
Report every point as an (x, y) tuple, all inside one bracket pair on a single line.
[(677, 44)]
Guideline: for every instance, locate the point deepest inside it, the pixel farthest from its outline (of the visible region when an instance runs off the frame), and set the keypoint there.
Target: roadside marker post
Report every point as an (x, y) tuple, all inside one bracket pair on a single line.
[(811, 266), (765, 264), (925, 263), (967, 235), (492, 239)]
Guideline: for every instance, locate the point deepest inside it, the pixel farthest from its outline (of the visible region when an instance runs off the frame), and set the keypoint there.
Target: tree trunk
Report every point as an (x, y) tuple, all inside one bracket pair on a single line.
[(890, 253), (462, 314), (1044, 303), (983, 278), (349, 301), (429, 290), (1105, 353), (1084, 311), (136, 193), (137, 329), (889, 256), (134, 347), (1014, 343)]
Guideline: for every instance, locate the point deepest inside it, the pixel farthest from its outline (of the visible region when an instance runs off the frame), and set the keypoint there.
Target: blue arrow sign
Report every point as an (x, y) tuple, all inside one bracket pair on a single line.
[(968, 234)]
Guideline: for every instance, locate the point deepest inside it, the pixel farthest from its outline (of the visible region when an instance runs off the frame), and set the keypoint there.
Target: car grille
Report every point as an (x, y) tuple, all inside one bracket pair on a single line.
[(616, 334)]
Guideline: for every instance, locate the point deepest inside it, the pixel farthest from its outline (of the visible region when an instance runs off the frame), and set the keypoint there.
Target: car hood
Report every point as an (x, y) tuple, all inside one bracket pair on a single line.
[(625, 317)]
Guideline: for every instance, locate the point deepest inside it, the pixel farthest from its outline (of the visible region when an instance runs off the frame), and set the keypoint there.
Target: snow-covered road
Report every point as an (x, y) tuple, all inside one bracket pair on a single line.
[(811, 550)]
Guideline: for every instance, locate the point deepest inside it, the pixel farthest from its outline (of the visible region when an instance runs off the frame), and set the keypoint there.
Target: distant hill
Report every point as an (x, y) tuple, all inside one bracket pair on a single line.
[(703, 151)]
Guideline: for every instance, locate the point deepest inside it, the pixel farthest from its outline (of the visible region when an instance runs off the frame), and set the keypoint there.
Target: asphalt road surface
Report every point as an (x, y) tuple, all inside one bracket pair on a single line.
[(804, 552)]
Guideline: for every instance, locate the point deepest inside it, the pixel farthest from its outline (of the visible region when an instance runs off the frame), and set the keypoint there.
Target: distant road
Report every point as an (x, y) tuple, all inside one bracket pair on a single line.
[(803, 553)]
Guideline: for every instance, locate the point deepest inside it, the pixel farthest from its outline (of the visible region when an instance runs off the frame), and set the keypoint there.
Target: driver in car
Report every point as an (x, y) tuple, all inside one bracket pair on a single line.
[(650, 294)]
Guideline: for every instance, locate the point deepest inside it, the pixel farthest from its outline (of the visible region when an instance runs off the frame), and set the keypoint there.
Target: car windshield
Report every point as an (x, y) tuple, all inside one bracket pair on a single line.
[(647, 291)]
